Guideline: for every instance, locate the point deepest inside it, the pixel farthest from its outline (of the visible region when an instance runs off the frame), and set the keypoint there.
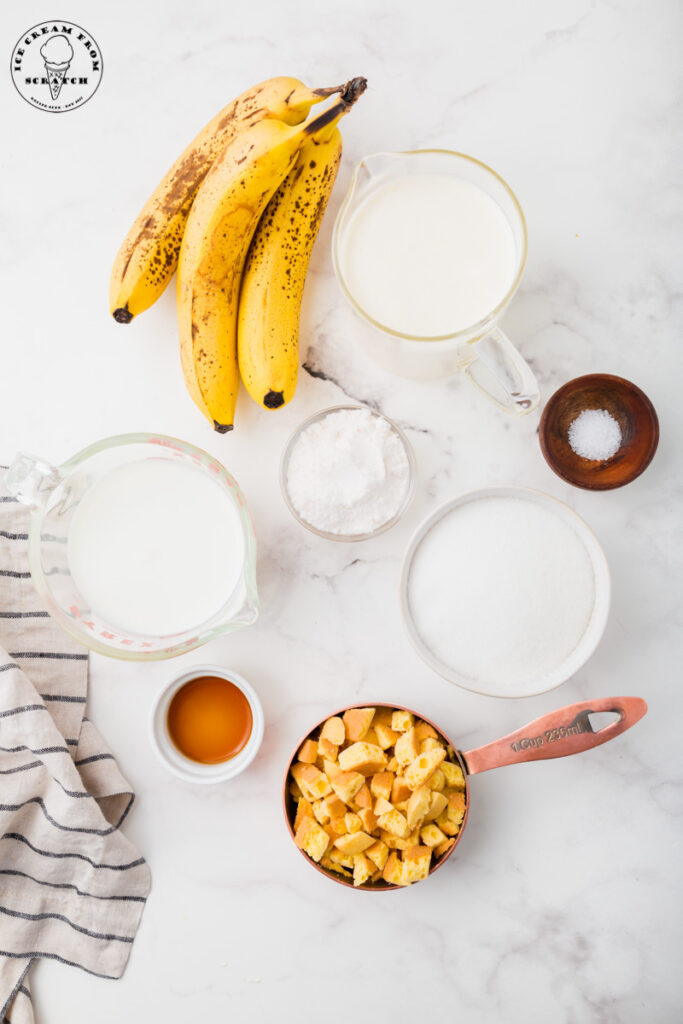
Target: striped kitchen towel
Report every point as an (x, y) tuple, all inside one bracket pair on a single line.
[(72, 887)]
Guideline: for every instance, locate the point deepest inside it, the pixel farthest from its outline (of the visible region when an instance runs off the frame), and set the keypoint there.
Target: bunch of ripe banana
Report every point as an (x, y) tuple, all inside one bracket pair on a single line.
[(238, 214)]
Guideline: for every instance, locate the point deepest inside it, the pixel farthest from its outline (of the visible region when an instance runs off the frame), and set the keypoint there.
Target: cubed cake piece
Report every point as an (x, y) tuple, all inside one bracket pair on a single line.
[(386, 737), (333, 730), (416, 863), (354, 842), (446, 825), (308, 752), (378, 853), (304, 809), (401, 721), (393, 869), (353, 822), (425, 731), (327, 750), (347, 784), (344, 859), (334, 807), (431, 835), (311, 838), (444, 847), (400, 790), (382, 806), (454, 776), (357, 721), (381, 783), (369, 819), (327, 862), (363, 797), (419, 770), (456, 806), (313, 783), (321, 813), (439, 802), (393, 821), (418, 805), (362, 869), (407, 747), (362, 757), (437, 780)]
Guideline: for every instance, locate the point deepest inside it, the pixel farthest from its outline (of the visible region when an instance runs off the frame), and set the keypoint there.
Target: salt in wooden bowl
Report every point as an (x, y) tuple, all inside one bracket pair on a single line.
[(627, 404)]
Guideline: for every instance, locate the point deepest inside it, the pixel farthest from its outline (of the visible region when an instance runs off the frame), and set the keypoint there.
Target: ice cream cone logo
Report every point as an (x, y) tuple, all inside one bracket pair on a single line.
[(57, 53), (56, 66)]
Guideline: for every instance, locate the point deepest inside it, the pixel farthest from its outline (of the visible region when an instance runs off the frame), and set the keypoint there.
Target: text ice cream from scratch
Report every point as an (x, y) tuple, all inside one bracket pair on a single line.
[(57, 54)]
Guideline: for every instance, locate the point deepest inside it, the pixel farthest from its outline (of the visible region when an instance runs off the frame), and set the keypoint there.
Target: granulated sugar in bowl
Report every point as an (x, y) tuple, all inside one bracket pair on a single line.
[(505, 592)]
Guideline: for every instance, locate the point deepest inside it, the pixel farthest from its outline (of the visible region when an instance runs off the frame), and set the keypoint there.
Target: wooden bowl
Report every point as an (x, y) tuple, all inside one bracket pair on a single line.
[(629, 406)]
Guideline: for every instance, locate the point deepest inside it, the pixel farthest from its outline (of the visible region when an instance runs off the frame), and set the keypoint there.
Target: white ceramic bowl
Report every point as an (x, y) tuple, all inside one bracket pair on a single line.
[(592, 634), (184, 767)]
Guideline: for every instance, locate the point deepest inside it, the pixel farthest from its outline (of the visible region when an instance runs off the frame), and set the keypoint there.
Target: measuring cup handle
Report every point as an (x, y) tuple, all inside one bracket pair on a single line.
[(558, 734), (502, 374), (31, 480)]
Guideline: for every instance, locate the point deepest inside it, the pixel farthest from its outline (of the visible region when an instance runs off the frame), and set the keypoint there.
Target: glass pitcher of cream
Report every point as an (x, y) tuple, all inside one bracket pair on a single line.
[(429, 248), (141, 546)]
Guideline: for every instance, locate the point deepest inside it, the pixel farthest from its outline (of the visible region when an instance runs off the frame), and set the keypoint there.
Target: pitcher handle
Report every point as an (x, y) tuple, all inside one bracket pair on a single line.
[(562, 732), (31, 480), (502, 374)]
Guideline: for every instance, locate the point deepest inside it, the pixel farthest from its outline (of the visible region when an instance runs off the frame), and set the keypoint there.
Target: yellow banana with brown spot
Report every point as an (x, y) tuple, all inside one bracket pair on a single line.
[(217, 236), (275, 273), (147, 259)]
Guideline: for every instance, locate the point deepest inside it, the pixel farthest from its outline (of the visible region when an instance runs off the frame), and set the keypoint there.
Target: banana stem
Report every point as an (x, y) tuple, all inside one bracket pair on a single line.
[(346, 88), (350, 93), (331, 91)]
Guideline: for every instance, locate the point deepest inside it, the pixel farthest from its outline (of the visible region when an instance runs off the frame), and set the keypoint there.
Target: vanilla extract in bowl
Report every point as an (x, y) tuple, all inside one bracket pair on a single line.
[(207, 725), (209, 719)]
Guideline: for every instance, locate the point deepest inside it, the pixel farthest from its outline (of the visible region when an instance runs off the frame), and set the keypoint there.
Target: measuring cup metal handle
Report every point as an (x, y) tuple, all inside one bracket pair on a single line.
[(562, 732)]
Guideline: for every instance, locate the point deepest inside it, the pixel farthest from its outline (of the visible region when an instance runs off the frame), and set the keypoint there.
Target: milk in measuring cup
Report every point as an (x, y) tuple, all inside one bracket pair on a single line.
[(156, 547), (428, 255)]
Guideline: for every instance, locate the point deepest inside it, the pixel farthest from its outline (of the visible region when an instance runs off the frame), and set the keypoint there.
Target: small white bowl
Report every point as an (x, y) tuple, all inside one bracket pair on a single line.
[(184, 767), (348, 537)]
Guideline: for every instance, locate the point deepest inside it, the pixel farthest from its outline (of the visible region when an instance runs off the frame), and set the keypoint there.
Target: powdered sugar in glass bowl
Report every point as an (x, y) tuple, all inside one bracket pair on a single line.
[(347, 473)]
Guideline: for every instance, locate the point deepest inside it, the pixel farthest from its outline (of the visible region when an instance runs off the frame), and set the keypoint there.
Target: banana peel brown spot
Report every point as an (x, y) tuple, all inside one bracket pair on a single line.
[(228, 118)]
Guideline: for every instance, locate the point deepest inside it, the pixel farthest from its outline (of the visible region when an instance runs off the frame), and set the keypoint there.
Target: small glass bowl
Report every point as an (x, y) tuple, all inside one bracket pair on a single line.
[(347, 537)]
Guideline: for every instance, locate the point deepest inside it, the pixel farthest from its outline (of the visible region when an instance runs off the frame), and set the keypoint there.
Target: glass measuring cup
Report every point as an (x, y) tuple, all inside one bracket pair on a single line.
[(481, 351), (53, 495), (565, 731)]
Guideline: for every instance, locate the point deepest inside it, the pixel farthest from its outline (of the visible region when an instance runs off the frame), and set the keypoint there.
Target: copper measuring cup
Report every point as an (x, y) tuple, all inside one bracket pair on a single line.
[(562, 732)]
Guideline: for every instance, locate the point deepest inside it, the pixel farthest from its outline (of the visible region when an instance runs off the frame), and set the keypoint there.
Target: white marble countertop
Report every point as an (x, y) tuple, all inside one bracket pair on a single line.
[(562, 903)]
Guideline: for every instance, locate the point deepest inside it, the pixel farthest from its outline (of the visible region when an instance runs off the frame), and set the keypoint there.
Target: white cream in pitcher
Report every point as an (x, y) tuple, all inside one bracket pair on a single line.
[(156, 547), (428, 255)]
